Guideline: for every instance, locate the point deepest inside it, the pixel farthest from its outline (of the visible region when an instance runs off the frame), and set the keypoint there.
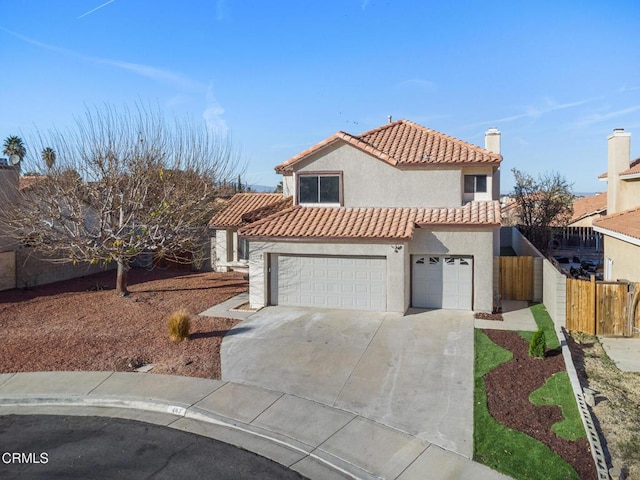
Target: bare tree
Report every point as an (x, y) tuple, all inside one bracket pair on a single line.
[(543, 201), (123, 183)]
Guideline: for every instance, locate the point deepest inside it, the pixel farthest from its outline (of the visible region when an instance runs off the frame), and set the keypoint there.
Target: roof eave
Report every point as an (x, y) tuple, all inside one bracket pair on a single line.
[(617, 235)]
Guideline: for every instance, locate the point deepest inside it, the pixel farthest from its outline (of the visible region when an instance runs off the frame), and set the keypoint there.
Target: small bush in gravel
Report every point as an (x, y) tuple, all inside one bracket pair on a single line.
[(537, 344), (179, 325)]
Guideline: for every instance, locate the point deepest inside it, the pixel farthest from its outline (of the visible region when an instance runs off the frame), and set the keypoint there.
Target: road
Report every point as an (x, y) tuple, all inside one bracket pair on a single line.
[(63, 447)]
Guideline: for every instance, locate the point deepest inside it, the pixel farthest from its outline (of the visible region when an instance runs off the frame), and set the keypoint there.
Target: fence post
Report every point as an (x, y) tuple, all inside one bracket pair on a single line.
[(594, 306)]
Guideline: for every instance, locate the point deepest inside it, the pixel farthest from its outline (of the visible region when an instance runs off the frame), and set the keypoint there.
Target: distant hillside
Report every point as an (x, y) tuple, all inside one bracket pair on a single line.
[(263, 188)]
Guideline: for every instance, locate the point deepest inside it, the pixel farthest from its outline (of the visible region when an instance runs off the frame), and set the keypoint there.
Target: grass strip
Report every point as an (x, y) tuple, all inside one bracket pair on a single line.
[(557, 391), (504, 449)]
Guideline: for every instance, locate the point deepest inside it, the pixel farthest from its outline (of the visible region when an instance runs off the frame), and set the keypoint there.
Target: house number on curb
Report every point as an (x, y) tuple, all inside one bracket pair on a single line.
[(177, 410)]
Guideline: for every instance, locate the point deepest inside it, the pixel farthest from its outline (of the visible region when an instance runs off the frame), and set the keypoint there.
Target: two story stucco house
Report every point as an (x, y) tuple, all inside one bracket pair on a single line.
[(400, 216), (621, 225)]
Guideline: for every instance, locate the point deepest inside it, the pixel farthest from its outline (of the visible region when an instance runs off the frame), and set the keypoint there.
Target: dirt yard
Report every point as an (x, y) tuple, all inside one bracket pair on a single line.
[(82, 325), (617, 407)]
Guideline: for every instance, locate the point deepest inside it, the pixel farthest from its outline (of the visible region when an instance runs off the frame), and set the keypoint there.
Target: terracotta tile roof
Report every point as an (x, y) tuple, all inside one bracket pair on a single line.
[(406, 143), (634, 167), (368, 223), (246, 207), (627, 222), (586, 206)]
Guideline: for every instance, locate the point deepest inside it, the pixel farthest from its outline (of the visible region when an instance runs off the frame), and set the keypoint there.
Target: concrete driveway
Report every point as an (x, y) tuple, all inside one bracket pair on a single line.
[(412, 372)]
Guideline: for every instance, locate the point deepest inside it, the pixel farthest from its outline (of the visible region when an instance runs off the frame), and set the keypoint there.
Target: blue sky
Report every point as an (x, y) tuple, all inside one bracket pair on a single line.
[(555, 77)]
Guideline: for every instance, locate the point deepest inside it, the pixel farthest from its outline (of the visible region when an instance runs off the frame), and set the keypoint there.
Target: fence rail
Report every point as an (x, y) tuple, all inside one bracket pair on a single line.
[(603, 308)]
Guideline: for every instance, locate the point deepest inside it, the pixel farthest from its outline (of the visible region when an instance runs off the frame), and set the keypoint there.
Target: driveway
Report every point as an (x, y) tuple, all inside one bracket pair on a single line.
[(412, 372)]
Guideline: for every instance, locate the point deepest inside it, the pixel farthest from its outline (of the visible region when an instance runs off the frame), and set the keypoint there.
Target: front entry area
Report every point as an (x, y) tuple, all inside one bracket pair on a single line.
[(442, 282), (349, 282)]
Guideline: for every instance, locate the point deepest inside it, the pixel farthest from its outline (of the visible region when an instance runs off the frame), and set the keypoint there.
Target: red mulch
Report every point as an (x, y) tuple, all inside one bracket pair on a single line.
[(81, 324), (508, 389)]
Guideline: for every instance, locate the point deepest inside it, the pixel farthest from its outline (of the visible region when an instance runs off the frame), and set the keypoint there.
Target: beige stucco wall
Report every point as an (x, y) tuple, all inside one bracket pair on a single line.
[(226, 250), (475, 242), (397, 266), (481, 196), (628, 194), (370, 182), (288, 186), (625, 259)]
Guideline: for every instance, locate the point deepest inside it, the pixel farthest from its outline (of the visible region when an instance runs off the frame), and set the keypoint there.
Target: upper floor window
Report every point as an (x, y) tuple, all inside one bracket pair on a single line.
[(319, 189), (475, 183)]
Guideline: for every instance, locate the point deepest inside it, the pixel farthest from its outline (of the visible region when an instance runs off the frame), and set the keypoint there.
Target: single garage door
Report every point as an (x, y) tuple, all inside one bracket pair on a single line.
[(358, 283), (442, 282)]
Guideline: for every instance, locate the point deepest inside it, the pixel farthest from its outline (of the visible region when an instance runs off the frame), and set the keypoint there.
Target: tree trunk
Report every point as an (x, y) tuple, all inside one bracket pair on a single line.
[(121, 278)]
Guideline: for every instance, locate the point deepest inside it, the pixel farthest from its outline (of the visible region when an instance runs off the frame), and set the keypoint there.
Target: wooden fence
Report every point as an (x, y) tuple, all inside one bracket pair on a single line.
[(516, 278), (602, 308)]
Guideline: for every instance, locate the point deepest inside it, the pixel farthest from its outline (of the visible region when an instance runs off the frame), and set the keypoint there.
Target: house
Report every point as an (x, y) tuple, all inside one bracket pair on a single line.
[(229, 251), (588, 209), (621, 225), (400, 216)]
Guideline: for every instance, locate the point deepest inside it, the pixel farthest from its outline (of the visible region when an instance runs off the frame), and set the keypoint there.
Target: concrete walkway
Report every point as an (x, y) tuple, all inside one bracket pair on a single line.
[(625, 352), (316, 440), (516, 316)]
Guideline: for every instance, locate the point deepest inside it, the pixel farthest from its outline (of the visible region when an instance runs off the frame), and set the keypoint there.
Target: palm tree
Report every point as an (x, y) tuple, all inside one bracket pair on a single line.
[(13, 146), (49, 157)]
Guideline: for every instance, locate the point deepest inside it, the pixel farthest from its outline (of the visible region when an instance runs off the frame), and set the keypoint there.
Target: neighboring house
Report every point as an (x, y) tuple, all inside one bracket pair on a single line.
[(588, 209), (229, 251), (400, 216), (621, 225)]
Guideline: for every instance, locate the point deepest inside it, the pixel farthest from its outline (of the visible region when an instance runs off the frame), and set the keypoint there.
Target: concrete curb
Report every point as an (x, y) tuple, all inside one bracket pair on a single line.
[(587, 420), (334, 463)]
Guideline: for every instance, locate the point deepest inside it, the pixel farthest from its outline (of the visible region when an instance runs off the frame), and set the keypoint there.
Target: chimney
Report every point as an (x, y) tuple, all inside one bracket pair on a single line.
[(492, 140), (618, 160)]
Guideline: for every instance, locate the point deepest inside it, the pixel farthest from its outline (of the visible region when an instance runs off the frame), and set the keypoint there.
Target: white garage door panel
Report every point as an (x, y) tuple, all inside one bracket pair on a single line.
[(442, 282), (330, 282)]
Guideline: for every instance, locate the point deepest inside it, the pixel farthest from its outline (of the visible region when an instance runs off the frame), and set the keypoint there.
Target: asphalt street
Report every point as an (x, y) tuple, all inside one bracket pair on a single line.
[(64, 447)]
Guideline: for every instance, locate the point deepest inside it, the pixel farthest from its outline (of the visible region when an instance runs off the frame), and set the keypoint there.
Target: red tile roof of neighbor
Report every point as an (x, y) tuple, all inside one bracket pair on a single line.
[(368, 223), (586, 206), (634, 167), (247, 207), (626, 222), (406, 143)]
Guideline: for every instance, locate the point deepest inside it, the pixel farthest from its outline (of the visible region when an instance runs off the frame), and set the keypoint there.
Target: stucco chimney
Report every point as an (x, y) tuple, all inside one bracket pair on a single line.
[(492, 140), (618, 160)]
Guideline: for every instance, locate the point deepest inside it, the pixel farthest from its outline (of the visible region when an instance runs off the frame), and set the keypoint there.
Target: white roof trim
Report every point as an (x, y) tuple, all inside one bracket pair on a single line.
[(619, 236), (630, 176)]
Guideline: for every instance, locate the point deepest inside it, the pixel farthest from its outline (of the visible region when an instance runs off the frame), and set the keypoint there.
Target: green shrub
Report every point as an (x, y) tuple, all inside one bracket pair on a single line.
[(537, 344), (179, 325)]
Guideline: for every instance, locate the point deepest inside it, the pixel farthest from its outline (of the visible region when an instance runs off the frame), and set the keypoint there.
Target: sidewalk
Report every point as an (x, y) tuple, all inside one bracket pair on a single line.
[(316, 440)]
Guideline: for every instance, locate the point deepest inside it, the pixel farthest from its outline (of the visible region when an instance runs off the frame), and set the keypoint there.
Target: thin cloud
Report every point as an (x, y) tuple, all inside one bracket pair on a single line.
[(419, 83), (97, 8), (364, 4), (603, 117), (175, 79), (213, 112), (222, 10), (533, 112)]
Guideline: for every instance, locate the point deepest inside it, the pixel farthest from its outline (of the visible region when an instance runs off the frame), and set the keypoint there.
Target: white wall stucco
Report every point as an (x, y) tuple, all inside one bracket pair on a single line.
[(370, 182), (397, 270), (477, 243)]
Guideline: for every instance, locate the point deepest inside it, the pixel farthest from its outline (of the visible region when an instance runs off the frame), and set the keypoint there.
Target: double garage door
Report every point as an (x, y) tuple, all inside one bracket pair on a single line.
[(442, 282), (350, 282)]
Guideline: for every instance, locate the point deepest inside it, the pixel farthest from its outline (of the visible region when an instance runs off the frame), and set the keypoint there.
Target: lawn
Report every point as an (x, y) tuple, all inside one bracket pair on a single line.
[(508, 449)]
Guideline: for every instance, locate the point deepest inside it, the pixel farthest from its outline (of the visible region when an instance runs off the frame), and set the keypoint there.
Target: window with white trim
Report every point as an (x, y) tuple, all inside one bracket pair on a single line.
[(319, 189)]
